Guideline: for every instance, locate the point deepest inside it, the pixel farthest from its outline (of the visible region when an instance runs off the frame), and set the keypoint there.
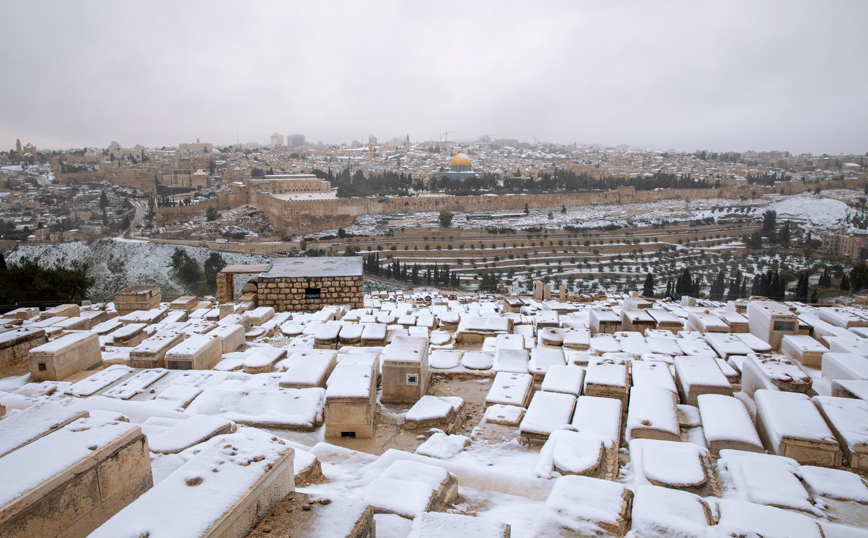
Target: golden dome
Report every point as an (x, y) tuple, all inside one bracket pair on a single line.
[(461, 160)]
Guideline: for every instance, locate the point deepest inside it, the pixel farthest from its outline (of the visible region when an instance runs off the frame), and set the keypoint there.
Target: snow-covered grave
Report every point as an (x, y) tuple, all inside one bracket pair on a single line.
[(58, 359), (510, 360), (546, 318), (771, 321), (199, 352), (635, 319), (99, 380), (231, 336), (672, 464), (73, 324), (443, 446), (308, 368), (763, 479), (603, 320), (604, 343), (773, 372), (438, 525), (258, 316), (726, 344), (261, 359), (844, 366), (850, 388), (442, 412), (552, 336), (326, 335), (541, 359), (34, 422), (236, 319), (848, 420), (350, 398), (15, 344), (563, 378), (663, 345), (840, 317), (804, 349), (170, 435), (374, 334), (224, 490), (107, 327), (547, 412), (790, 425), (600, 416), (129, 335), (649, 373), (695, 347), (705, 322), (727, 424), (735, 321), (405, 369), (444, 359), (665, 320), (584, 506), (608, 378), (699, 375), (578, 338), (69, 482), (177, 397), (855, 345), (633, 343), (151, 353), (291, 409), (474, 329), (509, 389), (579, 453), (350, 334), (480, 361), (135, 384), (662, 512), (409, 488), (651, 414), (739, 518)]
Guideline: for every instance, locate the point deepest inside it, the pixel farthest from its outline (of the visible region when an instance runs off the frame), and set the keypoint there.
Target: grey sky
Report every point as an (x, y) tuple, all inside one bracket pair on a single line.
[(728, 75)]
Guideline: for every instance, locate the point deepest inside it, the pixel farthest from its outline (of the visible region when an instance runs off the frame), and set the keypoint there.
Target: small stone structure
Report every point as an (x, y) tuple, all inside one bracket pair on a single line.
[(226, 283), (134, 298), (351, 397), (15, 345), (405, 369), (65, 356), (308, 284)]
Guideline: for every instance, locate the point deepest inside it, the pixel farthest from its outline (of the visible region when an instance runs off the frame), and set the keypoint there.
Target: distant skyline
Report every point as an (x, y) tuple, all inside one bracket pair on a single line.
[(683, 75)]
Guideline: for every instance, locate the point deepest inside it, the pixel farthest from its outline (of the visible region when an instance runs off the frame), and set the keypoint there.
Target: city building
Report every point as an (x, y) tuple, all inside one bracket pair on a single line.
[(460, 168)]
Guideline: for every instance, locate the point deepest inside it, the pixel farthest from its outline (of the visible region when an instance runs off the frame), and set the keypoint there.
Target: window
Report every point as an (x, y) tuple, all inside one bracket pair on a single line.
[(311, 293), (412, 379), (787, 326)]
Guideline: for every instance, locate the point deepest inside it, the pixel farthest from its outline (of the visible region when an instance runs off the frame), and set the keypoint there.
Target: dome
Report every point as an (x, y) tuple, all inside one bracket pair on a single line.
[(461, 160)]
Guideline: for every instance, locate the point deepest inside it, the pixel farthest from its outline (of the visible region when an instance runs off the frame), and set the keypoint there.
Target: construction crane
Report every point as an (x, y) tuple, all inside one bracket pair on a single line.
[(446, 135), (535, 138)]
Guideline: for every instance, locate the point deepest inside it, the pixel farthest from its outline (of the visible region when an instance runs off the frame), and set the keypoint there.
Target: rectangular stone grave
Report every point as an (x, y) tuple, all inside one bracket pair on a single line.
[(405, 370), (351, 397), (848, 420), (727, 424), (510, 389), (608, 378), (791, 426), (65, 356), (651, 415), (309, 368), (547, 412), (231, 336), (15, 345), (804, 349), (129, 335), (151, 353), (699, 375), (199, 352)]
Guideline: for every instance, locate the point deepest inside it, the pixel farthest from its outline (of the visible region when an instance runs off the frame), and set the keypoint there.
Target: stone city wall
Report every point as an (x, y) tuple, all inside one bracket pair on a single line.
[(224, 200), (290, 294)]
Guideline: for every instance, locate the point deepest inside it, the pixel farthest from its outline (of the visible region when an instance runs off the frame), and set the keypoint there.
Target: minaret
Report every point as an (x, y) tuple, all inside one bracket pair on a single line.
[(18, 147)]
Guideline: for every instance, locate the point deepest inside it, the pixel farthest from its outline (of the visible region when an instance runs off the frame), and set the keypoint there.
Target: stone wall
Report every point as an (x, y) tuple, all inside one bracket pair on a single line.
[(290, 294), (224, 200)]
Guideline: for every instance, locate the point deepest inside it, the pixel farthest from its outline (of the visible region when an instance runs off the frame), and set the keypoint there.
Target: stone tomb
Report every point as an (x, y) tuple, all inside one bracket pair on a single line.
[(308, 284), (405, 369), (65, 356), (151, 353), (134, 298), (199, 352), (76, 478), (351, 397), (15, 345), (791, 426)]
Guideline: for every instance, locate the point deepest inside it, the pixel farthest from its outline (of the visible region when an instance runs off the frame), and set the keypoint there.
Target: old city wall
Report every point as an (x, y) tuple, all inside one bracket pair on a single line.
[(300, 217), (225, 200)]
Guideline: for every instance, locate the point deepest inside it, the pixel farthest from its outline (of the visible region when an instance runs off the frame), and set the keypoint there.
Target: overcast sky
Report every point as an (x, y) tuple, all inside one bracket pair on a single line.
[(727, 75)]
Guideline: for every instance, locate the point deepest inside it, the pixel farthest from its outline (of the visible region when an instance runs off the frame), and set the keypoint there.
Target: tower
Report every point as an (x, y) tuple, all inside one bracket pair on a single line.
[(18, 147)]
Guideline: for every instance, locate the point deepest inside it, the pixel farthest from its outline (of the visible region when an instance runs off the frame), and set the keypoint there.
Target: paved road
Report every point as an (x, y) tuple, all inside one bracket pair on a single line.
[(139, 215)]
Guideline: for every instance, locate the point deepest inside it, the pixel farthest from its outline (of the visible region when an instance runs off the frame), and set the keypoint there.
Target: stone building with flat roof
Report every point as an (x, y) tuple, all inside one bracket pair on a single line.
[(308, 284)]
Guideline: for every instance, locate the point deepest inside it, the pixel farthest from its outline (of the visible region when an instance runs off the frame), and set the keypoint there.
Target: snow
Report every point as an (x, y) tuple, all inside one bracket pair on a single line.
[(510, 414), (834, 483), (433, 407), (663, 513), (444, 359), (286, 408), (439, 525), (190, 510), (352, 377), (580, 504), (442, 446), (738, 518), (547, 412), (183, 434), (563, 378), (56, 453), (98, 381), (764, 479), (667, 463), (601, 416), (652, 409), (725, 419), (308, 367), (848, 417), (790, 415), (509, 389), (68, 340), (647, 373), (135, 384), (607, 372), (477, 360), (510, 360), (571, 452), (177, 397), (18, 429)]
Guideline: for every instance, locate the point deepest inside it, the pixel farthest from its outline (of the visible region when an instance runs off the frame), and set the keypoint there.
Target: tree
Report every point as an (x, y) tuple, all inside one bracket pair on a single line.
[(784, 237), (802, 288), (445, 218), (845, 283), (211, 214), (103, 200), (212, 167), (563, 209), (526, 210), (768, 229), (2, 262), (213, 265), (104, 218), (859, 277), (342, 233), (684, 284), (648, 287), (715, 293), (125, 223)]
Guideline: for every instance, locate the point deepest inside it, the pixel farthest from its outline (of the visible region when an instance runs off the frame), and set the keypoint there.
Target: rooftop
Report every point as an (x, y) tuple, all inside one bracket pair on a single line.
[(314, 267)]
